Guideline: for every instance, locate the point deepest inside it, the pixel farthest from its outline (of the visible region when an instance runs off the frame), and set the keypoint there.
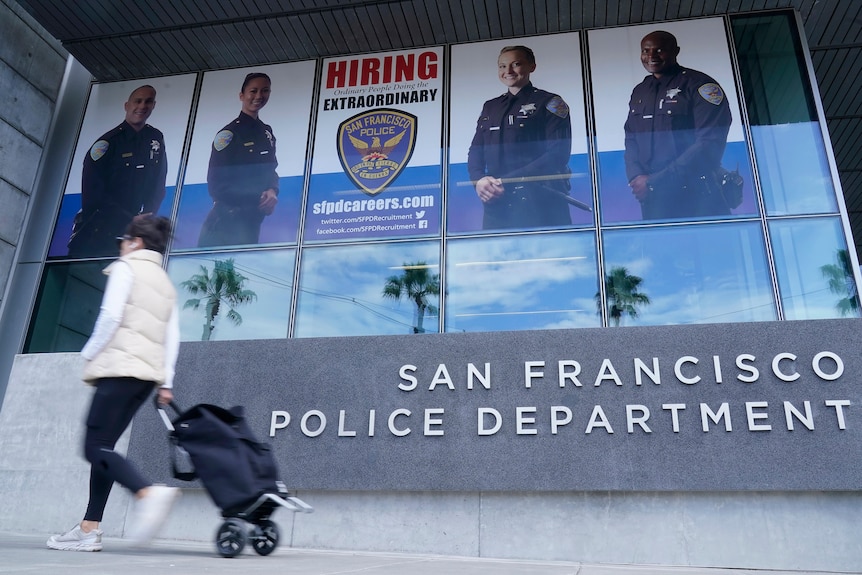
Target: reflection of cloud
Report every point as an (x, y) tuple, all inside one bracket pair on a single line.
[(713, 306), (270, 276), (545, 279), (535, 282), (341, 290)]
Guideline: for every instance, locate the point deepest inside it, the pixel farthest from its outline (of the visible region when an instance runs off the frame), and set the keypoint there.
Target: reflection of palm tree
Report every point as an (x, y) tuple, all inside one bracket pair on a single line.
[(225, 285), (417, 284), (841, 283), (623, 295)]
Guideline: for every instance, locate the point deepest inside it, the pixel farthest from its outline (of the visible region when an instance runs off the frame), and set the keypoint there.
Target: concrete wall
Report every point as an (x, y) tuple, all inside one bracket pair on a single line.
[(32, 64), (43, 483), (47, 91)]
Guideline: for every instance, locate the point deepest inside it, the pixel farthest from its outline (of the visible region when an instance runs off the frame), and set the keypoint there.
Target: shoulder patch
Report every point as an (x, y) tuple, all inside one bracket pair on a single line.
[(712, 93), (222, 140), (558, 107), (98, 150)]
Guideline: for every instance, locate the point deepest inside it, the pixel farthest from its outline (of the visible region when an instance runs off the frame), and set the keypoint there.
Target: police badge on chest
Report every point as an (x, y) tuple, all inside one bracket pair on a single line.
[(527, 110)]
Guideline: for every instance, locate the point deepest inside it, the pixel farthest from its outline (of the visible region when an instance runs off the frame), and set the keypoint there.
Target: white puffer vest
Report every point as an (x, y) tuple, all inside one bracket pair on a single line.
[(138, 347)]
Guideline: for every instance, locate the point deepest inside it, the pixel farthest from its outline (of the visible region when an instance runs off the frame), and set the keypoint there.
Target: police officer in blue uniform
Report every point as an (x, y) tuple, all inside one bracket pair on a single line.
[(241, 179), (675, 136), (518, 159), (123, 176)]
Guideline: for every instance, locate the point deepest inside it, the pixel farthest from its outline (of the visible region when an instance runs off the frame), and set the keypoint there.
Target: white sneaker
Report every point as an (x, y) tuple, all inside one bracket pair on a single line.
[(150, 513), (77, 540)]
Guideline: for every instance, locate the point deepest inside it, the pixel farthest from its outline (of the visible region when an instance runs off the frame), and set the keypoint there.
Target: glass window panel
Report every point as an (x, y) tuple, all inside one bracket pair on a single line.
[(67, 306), (815, 276), (252, 290), (794, 171), (788, 144), (382, 289), (693, 274), (546, 281)]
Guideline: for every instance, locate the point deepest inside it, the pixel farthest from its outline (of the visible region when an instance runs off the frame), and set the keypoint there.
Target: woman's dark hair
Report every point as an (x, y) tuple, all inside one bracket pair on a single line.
[(155, 231), (253, 76)]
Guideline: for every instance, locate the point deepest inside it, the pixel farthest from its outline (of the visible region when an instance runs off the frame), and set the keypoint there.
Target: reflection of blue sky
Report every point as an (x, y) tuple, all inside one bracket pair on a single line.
[(341, 290), (801, 247), (794, 172), (270, 276), (527, 282), (695, 274)]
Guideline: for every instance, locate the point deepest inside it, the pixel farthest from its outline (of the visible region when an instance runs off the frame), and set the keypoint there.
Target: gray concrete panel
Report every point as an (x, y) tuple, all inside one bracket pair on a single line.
[(31, 51), (421, 522), (55, 163), (15, 9), (43, 475), (195, 518), (26, 108), (19, 157), (14, 203), (15, 308), (429, 438), (45, 200), (620, 528), (738, 530), (7, 253)]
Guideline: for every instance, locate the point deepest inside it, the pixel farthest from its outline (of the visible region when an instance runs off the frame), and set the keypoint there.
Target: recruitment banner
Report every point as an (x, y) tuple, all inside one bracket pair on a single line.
[(376, 171), (125, 162), (534, 139), (250, 135), (675, 119)]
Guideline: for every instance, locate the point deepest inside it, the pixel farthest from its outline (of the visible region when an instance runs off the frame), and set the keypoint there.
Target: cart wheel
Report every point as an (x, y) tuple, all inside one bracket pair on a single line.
[(267, 537), (230, 538)]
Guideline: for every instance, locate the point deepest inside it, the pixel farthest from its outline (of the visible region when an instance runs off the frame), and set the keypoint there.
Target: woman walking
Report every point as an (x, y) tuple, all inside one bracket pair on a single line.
[(132, 350)]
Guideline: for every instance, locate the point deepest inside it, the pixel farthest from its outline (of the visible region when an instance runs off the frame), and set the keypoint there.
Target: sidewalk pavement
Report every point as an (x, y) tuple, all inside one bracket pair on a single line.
[(27, 554)]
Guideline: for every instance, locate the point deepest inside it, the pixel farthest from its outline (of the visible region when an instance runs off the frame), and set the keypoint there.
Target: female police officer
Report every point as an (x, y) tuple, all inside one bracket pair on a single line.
[(518, 159), (241, 179)]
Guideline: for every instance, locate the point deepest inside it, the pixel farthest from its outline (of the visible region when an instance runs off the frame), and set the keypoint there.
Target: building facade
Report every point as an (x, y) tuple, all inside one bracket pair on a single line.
[(668, 381)]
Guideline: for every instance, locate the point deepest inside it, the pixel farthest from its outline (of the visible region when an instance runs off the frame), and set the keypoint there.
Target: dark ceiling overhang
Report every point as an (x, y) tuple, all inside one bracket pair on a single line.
[(126, 39)]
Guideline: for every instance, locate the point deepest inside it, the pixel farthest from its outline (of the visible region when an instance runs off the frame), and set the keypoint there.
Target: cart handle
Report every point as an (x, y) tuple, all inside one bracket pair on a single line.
[(164, 414)]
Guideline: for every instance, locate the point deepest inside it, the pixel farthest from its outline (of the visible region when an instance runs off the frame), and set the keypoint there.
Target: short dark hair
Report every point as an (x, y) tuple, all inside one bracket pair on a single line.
[(253, 76), (155, 231), (523, 49), (664, 35)]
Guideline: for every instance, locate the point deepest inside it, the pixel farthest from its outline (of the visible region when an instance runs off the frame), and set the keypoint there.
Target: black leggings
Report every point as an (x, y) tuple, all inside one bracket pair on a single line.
[(115, 403)]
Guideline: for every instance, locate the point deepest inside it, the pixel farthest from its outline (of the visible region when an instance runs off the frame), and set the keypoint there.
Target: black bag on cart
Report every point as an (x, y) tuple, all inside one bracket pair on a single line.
[(239, 472), (233, 465)]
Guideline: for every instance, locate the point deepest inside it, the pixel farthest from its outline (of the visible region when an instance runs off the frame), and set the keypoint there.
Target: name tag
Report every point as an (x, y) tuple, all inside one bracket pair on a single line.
[(494, 128), (648, 117), (129, 155)]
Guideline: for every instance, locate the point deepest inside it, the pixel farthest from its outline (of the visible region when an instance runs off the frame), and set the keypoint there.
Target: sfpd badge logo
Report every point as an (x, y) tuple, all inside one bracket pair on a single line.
[(375, 146)]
